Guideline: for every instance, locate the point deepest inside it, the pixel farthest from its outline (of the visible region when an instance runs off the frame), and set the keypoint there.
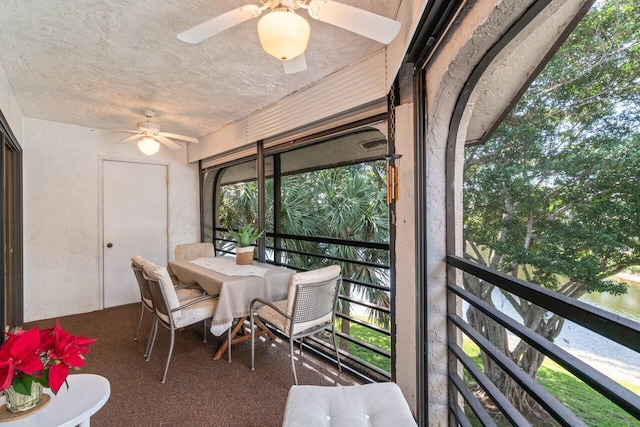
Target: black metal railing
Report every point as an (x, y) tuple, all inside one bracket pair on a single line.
[(358, 363), (616, 328)]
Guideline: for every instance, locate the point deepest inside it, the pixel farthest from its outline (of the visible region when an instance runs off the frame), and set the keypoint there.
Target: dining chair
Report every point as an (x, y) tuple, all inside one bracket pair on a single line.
[(184, 292), (189, 251), (308, 309), (172, 313)]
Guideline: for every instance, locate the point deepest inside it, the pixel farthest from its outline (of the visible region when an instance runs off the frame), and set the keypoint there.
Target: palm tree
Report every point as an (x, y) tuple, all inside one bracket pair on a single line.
[(238, 206), (347, 203)]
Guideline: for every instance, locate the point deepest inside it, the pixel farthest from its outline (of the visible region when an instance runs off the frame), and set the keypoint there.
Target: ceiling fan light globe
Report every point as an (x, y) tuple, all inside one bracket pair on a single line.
[(283, 34), (148, 146)]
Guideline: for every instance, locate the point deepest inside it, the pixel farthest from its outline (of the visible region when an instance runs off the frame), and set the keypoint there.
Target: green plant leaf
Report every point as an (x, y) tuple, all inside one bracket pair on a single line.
[(22, 384), (43, 379), (246, 235)]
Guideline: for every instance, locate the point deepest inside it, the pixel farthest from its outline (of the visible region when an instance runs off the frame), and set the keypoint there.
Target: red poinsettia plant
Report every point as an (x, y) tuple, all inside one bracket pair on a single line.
[(44, 356)]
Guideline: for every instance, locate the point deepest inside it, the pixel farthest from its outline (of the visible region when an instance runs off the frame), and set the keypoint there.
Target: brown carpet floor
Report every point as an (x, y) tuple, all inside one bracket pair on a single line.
[(199, 391)]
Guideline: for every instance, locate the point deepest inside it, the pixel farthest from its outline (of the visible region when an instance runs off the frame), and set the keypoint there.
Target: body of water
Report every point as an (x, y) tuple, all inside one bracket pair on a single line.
[(609, 357), (627, 305)]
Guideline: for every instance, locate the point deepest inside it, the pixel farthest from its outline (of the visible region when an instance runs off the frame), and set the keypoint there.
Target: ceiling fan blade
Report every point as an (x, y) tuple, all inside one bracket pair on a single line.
[(130, 138), (180, 137), (359, 21), (219, 23), (295, 65), (166, 141)]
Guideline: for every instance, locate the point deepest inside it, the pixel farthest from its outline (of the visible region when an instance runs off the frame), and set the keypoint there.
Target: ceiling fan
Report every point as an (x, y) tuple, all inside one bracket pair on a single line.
[(284, 34), (151, 136)]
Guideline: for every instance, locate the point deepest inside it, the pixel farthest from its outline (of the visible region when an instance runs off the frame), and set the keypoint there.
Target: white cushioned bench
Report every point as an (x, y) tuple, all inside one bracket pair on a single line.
[(371, 405)]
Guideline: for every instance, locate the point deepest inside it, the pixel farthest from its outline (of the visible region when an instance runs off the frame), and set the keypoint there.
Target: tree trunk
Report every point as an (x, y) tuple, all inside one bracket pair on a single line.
[(530, 362), (525, 356)]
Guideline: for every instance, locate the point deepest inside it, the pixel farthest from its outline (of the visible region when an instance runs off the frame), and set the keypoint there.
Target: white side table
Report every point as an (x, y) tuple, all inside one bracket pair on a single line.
[(87, 393)]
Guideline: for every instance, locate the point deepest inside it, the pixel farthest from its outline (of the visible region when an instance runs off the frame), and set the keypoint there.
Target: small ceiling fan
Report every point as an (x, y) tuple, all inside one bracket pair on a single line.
[(284, 34), (151, 136)]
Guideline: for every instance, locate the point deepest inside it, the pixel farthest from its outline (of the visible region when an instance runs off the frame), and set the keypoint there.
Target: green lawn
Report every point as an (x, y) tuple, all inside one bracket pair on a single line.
[(593, 408), (589, 405), (372, 337)]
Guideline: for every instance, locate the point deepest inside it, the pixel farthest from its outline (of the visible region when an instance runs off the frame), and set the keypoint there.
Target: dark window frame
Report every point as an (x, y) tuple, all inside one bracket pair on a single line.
[(11, 230), (369, 373)]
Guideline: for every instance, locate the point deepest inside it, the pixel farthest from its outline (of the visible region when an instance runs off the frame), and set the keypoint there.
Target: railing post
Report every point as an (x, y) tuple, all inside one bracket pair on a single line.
[(261, 201)]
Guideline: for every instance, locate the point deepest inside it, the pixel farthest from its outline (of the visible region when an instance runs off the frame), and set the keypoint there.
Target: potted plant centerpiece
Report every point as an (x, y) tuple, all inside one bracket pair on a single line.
[(245, 237)]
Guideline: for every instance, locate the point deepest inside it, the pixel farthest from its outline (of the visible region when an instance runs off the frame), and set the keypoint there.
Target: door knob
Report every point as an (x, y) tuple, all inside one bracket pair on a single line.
[(109, 245)]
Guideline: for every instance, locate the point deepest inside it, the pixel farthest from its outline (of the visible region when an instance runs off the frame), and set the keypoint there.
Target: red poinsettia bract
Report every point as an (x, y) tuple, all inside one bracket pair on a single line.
[(44, 356), (19, 354), (63, 351)]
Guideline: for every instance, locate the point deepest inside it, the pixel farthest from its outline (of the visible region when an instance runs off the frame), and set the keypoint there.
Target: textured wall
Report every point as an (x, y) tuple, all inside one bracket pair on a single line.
[(9, 106), (446, 76), (62, 214)]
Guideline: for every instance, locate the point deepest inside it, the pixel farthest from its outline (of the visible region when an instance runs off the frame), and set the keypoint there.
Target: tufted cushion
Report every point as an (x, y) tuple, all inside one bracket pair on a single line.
[(137, 261), (276, 319), (189, 251), (188, 293), (161, 275), (196, 313), (183, 294), (369, 405)]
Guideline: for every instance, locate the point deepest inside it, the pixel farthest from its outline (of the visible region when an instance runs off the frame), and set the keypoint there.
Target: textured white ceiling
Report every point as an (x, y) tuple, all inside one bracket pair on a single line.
[(98, 63)]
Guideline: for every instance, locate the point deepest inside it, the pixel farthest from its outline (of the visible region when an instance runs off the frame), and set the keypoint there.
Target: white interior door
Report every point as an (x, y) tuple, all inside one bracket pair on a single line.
[(134, 223)]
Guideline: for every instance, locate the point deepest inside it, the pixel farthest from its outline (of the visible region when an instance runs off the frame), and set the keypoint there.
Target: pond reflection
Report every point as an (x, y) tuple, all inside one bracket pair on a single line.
[(627, 305)]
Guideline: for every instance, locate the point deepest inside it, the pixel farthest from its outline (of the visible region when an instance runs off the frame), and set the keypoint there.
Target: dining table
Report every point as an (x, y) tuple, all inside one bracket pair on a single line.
[(236, 286)]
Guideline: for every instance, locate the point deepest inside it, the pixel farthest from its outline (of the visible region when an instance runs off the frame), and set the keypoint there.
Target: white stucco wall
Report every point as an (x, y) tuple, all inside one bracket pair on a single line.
[(405, 299), (9, 106), (62, 216)]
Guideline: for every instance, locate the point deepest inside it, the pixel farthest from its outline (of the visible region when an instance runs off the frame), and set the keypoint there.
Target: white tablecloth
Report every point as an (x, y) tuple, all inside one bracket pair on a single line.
[(235, 293), (228, 266)]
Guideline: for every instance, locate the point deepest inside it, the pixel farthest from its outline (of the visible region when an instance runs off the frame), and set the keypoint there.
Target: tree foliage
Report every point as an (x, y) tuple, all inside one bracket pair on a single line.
[(554, 196)]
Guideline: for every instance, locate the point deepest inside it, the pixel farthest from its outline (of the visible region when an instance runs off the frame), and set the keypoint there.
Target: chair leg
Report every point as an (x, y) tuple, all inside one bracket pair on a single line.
[(293, 365), (335, 345), (205, 331), (153, 340), (229, 342), (153, 326), (253, 336), (139, 323), (166, 368)]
